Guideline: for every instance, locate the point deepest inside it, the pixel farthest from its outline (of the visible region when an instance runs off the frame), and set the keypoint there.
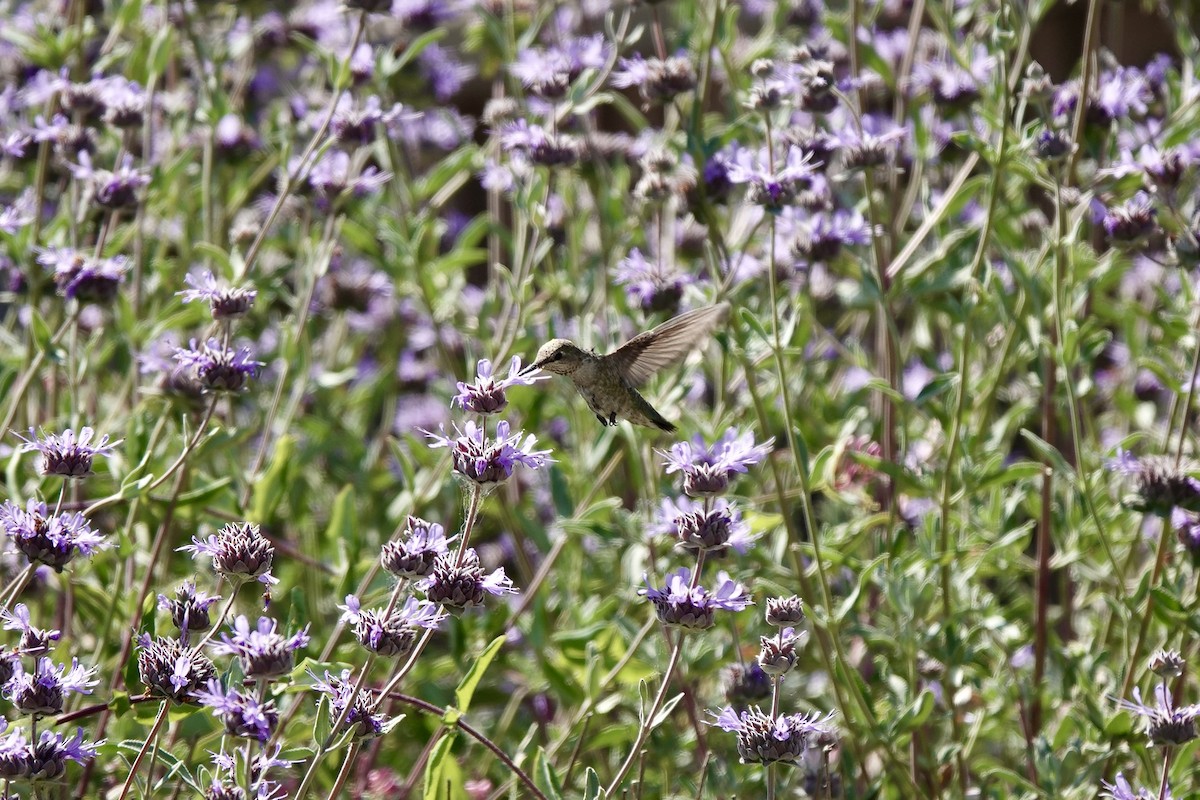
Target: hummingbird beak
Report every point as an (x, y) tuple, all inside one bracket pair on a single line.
[(534, 367)]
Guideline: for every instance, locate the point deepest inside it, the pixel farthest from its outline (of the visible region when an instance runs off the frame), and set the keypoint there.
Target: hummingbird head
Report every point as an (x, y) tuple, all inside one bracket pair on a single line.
[(560, 356)]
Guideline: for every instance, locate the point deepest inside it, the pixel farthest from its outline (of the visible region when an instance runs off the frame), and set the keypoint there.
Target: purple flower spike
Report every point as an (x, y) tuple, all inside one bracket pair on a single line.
[(43, 538), (766, 740), (81, 277), (43, 691), (216, 367), (225, 302), (244, 716), (458, 586), (486, 394), (264, 653), (1122, 790), (489, 462), (34, 640), (708, 471), (66, 454), (680, 606), (1167, 724)]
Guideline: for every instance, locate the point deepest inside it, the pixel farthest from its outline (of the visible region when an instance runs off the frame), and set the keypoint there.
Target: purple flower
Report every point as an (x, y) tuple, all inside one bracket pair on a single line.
[(1122, 790), (414, 552), (1121, 93), (239, 552), (112, 189), (53, 540), (216, 367), (225, 301), (332, 175), (872, 146), (354, 124), (548, 72), (678, 605), (263, 652), (489, 462), (773, 188), (188, 609), (18, 215), (650, 284), (486, 394), (766, 740), (44, 760), (708, 470), (81, 277), (425, 15), (821, 237), (362, 717), (172, 670), (538, 144), (458, 586), (1167, 725), (66, 454), (1128, 223), (233, 136), (1187, 530), (953, 85), (42, 691), (244, 716), (657, 80), (1159, 484), (444, 71), (714, 530), (391, 634), (34, 640)]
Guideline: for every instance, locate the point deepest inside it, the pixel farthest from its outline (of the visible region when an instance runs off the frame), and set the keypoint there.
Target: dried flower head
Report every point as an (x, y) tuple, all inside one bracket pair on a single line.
[(777, 654), (785, 611), (1167, 664)]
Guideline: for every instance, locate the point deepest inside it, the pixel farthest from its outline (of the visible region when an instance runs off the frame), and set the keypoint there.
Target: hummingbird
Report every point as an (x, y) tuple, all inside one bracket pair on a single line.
[(609, 382)]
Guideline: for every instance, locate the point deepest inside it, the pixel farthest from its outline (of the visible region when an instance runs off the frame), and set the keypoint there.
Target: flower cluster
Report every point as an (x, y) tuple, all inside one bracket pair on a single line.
[(489, 461), (708, 470)]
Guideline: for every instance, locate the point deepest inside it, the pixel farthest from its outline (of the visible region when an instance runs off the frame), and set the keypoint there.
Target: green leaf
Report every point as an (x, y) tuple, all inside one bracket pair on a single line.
[(547, 778), (466, 689), (437, 767), (322, 725), (343, 522), (1048, 452), (753, 322), (268, 491), (591, 785)]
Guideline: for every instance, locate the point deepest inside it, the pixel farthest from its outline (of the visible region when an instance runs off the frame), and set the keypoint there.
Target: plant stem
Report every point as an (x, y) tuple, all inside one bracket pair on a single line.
[(648, 719), (151, 737)]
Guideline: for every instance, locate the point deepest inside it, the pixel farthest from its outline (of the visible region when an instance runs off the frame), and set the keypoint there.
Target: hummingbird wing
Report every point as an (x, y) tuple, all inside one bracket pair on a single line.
[(647, 353)]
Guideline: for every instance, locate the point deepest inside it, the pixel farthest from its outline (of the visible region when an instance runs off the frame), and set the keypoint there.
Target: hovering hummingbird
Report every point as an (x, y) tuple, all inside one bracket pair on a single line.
[(609, 382)]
